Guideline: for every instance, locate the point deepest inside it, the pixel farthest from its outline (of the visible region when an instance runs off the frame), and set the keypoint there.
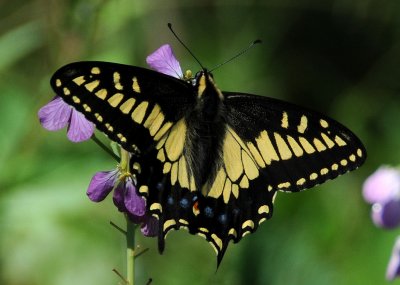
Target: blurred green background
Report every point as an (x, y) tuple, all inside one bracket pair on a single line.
[(336, 56)]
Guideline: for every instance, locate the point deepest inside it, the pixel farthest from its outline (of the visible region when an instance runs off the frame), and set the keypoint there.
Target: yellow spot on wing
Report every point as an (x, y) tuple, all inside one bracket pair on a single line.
[(167, 167), (335, 166), (102, 94), (319, 145), (298, 151), (266, 148), (156, 206), (155, 126), (232, 159), (98, 117), (115, 99), (95, 70), (227, 191), (163, 130), (92, 85), (217, 240), (144, 189), (153, 115), (250, 168), (301, 128), (324, 171), (343, 162), (306, 145), (79, 80), (283, 148), (87, 108), (248, 224), (256, 154), (263, 209), (176, 140), (126, 107), (244, 183), (109, 127), (182, 173), (169, 224), (76, 99), (232, 232), (285, 122), (324, 123), (218, 185), (313, 176), (140, 111), (66, 91), (352, 158), (174, 173), (135, 85), (300, 182), (340, 141), (327, 140), (160, 155), (359, 152), (117, 84), (235, 190), (58, 82), (284, 185)]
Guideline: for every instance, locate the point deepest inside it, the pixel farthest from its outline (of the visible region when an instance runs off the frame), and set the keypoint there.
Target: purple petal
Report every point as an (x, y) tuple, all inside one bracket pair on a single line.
[(80, 128), (135, 204), (118, 196), (163, 60), (55, 115), (101, 185), (393, 269), (150, 227), (386, 215), (382, 185)]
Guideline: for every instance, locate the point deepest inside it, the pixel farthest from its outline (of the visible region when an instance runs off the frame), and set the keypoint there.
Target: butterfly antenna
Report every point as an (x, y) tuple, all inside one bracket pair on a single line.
[(237, 55), (170, 27)]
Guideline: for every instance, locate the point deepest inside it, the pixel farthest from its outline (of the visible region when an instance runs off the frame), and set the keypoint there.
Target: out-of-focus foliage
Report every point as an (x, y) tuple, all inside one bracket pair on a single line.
[(339, 57)]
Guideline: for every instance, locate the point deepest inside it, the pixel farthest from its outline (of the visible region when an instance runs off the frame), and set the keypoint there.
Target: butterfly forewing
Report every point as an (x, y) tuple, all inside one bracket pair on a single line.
[(132, 105), (296, 148)]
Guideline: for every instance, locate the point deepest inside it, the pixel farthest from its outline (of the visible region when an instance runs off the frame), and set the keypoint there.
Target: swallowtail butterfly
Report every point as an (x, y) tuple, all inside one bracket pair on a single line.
[(211, 161)]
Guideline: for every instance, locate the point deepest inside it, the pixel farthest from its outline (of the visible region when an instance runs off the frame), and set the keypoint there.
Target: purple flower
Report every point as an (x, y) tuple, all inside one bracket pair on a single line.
[(125, 197), (382, 186), (386, 215), (163, 60), (57, 114), (382, 189), (393, 269)]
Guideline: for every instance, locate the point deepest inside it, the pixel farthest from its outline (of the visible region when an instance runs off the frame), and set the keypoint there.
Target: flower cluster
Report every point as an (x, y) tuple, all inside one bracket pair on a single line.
[(382, 190), (57, 115)]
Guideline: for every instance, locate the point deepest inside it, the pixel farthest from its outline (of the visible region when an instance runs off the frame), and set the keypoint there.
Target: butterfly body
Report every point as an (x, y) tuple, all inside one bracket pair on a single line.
[(212, 161), (205, 124)]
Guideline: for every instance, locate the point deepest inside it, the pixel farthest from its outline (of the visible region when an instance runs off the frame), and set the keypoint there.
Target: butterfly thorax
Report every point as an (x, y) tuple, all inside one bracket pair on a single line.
[(205, 134)]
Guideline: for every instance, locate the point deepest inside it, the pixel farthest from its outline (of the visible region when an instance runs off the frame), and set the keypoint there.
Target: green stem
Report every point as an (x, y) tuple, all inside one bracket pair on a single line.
[(106, 149), (130, 252)]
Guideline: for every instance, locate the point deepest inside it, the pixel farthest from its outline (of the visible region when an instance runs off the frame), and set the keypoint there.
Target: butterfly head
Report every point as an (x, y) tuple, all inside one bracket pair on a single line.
[(204, 82)]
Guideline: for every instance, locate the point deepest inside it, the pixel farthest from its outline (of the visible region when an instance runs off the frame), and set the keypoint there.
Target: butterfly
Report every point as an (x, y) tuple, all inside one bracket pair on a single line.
[(211, 161)]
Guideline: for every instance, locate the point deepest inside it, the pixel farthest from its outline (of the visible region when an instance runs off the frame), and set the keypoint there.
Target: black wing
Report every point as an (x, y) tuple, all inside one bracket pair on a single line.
[(295, 148), (134, 106)]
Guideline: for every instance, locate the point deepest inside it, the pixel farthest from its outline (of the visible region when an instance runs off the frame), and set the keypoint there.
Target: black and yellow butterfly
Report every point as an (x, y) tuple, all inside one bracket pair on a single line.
[(212, 161)]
